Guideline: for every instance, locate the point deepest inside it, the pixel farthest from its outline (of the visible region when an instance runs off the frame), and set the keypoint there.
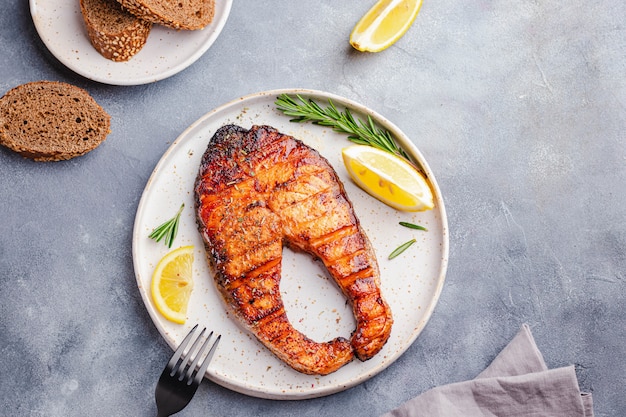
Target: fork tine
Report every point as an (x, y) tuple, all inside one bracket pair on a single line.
[(199, 354), (180, 350), (183, 365), (205, 364)]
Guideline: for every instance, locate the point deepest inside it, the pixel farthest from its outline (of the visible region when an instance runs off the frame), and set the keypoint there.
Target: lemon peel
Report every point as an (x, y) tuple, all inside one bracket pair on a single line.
[(383, 24), (172, 283), (388, 178)]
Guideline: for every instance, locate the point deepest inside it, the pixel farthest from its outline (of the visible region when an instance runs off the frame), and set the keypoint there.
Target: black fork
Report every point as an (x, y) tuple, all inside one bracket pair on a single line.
[(179, 381)]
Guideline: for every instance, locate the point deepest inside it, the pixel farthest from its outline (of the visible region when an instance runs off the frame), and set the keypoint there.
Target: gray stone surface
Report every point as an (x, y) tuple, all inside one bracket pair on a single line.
[(520, 109)]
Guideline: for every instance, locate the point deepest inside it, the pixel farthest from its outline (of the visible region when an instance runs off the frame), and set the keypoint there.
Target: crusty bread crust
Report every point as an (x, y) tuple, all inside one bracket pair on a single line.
[(117, 34), (51, 121), (179, 14)]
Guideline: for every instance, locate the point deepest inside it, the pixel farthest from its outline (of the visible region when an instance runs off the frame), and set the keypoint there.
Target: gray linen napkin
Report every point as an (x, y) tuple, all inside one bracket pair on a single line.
[(516, 384)]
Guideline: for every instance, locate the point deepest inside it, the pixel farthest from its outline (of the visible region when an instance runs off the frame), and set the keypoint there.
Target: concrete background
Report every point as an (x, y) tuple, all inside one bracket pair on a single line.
[(520, 110)]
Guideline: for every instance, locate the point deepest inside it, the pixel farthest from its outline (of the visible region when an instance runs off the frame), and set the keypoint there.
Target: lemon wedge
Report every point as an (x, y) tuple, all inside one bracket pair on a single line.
[(384, 24), (388, 178), (172, 282)]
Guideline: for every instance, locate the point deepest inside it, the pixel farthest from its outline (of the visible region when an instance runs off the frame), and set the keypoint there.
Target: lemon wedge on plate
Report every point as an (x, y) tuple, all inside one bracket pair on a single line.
[(384, 24), (172, 283), (388, 178)]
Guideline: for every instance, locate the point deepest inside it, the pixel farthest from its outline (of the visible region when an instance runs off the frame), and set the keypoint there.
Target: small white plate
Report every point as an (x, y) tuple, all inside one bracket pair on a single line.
[(411, 283), (167, 51)]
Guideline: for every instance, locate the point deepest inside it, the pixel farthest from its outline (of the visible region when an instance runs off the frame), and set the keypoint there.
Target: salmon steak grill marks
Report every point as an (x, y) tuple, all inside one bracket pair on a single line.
[(259, 190)]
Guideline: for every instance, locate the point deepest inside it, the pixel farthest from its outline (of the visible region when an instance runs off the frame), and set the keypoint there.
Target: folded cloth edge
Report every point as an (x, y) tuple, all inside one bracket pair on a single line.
[(517, 380), (520, 356)]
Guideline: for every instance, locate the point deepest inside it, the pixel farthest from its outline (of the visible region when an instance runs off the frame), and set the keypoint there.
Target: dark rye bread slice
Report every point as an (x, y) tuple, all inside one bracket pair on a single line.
[(177, 14), (113, 31), (51, 121)]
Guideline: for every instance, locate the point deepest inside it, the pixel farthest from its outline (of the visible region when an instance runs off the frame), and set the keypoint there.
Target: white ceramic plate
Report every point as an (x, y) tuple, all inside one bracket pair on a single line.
[(166, 52), (411, 282)]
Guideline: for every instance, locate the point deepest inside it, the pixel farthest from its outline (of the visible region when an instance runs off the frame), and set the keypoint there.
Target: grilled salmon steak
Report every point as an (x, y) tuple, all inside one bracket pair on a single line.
[(258, 190)]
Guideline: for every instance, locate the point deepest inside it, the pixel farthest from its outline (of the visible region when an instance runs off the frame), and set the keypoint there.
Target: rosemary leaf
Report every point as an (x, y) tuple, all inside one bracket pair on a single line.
[(169, 229), (361, 132), (413, 226), (158, 233), (401, 249)]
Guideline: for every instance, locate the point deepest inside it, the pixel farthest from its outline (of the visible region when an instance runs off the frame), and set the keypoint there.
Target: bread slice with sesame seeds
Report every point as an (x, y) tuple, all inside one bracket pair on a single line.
[(51, 121), (176, 14), (113, 31)]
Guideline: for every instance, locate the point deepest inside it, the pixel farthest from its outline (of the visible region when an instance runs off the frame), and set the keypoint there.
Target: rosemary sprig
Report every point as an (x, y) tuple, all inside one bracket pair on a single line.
[(401, 248), (413, 226), (361, 132), (169, 229)]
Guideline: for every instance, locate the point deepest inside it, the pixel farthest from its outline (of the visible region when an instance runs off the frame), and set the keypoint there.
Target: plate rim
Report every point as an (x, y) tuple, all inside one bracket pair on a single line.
[(404, 142), (216, 28)]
